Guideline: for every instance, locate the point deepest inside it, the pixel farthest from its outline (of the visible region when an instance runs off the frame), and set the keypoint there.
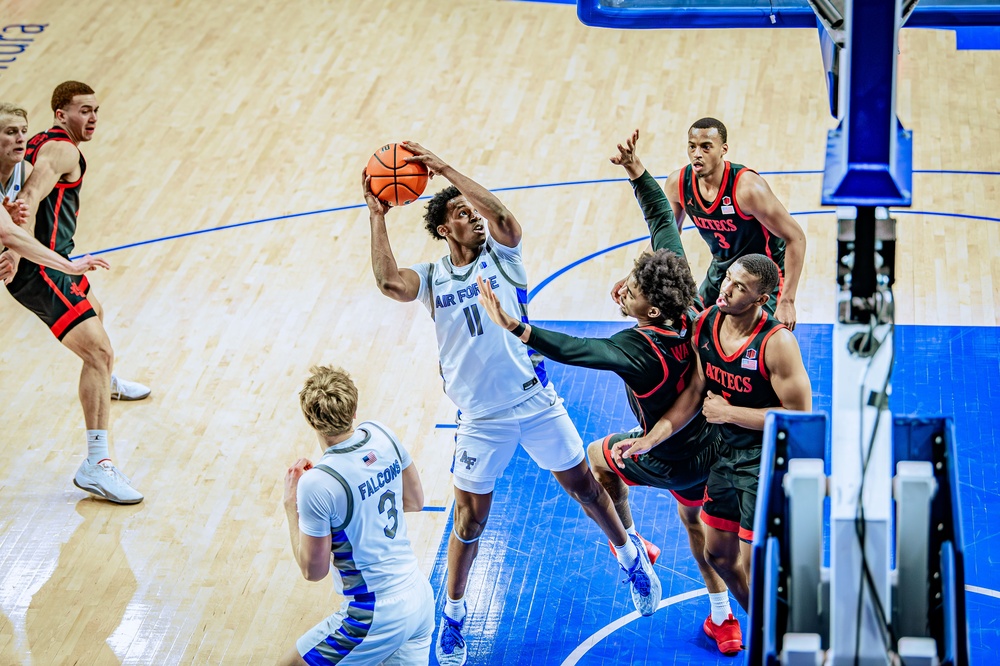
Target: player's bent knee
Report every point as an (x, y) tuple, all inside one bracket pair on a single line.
[(587, 491), (690, 516)]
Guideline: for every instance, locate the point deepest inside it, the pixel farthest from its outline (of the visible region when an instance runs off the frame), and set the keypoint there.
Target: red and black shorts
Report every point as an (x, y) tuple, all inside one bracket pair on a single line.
[(683, 477), (60, 300), (731, 492)]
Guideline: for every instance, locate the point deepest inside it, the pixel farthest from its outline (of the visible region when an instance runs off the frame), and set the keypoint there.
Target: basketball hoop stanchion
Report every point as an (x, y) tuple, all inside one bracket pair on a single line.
[(861, 610)]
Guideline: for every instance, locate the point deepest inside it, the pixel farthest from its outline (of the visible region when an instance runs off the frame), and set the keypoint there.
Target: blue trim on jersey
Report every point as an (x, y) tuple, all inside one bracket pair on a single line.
[(356, 623), (342, 651), (356, 640)]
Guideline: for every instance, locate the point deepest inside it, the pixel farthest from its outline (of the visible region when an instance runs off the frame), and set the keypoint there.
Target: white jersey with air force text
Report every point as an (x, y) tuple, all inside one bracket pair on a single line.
[(485, 368)]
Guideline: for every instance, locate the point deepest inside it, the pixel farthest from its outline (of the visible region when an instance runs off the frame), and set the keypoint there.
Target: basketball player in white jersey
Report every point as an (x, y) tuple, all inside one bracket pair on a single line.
[(510, 403), (349, 504)]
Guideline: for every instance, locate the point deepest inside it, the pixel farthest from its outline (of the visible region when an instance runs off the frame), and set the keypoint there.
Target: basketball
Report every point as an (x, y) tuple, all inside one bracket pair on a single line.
[(394, 181)]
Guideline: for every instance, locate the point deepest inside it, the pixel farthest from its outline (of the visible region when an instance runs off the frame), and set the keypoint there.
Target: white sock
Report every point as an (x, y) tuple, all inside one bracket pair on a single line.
[(455, 608), (97, 446), (626, 554), (631, 530), (720, 606)]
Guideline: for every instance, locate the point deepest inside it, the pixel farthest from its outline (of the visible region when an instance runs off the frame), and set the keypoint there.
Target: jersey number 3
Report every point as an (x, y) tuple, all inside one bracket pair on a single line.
[(473, 319), (389, 497), (723, 245)]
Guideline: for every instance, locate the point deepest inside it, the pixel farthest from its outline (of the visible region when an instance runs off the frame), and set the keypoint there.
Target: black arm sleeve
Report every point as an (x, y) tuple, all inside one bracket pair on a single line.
[(637, 369), (658, 213)]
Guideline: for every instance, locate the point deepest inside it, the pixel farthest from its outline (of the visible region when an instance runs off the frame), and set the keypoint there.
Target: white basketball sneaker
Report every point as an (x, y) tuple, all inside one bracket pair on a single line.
[(644, 583), (450, 646), (123, 389), (105, 480)]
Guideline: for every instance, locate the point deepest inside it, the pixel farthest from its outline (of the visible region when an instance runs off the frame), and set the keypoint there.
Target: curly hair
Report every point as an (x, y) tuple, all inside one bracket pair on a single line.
[(437, 210), (329, 400), (64, 93), (665, 280), (762, 268), (710, 123)]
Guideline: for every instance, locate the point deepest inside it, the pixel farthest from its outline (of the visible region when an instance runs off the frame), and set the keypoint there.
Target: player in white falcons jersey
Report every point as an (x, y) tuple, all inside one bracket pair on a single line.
[(347, 508), (502, 393)]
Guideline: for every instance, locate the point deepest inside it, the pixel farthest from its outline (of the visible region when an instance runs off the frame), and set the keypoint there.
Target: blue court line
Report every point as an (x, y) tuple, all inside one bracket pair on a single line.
[(442, 509), (446, 425), (511, 188), (544, 283)]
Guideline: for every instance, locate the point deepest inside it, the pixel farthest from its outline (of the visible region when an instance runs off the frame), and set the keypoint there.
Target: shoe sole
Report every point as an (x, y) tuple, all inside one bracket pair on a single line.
[(124, 398), (98, 493), (728, 648)]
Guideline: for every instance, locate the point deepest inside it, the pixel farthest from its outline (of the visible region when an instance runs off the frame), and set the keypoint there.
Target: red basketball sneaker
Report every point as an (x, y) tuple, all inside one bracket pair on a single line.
[(652, 550), (727, 635)]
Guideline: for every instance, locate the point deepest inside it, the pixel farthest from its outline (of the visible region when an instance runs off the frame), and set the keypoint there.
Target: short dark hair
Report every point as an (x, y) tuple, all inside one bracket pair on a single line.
[(437, 210), (665, 280), (762, 268), (709, 123), (64, 93)]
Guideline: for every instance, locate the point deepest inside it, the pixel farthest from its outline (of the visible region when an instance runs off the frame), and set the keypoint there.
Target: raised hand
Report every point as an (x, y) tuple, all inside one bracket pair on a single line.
[(491, 304), (628, 158), (375, 204), (433, 163)]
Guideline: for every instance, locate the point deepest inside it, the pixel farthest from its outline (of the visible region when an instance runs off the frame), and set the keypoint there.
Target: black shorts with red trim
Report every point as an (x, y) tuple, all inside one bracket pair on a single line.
[(731, 492), (60, 300), (683, 477)]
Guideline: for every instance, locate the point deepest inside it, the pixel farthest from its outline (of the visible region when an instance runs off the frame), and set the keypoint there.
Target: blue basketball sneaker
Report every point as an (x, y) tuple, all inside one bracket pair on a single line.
[(450, 646), (646, 590)]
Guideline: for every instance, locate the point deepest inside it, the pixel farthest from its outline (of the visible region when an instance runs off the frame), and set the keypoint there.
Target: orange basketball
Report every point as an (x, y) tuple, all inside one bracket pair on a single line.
[(394, 181)]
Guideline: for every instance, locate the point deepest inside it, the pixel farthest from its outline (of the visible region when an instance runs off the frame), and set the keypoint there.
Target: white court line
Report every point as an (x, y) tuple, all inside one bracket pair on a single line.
[(609, 629), (982, 590), (605, 631)]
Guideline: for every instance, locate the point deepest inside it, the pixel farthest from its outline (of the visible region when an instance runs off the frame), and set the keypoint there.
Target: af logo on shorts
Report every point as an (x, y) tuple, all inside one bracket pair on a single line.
[(466, 460)]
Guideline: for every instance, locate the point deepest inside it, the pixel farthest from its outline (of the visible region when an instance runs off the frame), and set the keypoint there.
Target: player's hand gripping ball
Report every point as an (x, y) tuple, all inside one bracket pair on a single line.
[(394, 181)]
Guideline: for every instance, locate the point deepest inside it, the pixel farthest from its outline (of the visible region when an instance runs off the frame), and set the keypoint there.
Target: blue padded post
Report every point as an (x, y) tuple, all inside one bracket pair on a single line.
[(932, 439), (786, 435)]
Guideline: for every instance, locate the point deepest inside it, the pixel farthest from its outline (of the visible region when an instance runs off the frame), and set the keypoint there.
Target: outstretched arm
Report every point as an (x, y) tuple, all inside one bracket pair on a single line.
[(503, 226), (398, 284), (757, 199), (655, 205), (684, 409), (595, 353), (21, 242)]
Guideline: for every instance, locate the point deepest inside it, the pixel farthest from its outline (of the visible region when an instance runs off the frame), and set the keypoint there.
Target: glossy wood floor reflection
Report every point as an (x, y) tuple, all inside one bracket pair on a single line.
[(219, 113)]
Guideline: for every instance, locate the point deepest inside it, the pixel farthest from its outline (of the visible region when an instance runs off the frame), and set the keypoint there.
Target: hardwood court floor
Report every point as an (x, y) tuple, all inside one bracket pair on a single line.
[(214, 114)]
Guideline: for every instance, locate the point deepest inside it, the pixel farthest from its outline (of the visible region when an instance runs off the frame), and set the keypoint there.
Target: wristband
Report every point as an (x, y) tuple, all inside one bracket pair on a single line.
[(519, 329)]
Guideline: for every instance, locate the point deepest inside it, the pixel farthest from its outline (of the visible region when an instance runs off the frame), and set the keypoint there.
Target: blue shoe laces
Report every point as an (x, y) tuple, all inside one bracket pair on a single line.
[(451, 635)]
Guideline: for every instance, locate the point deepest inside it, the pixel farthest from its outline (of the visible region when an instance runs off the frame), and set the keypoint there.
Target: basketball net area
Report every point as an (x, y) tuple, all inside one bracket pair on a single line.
[(882, 495)]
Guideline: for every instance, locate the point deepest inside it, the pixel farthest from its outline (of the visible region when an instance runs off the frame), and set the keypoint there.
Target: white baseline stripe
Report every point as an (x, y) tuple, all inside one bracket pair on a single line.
[(982, 590), (609, 629)]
